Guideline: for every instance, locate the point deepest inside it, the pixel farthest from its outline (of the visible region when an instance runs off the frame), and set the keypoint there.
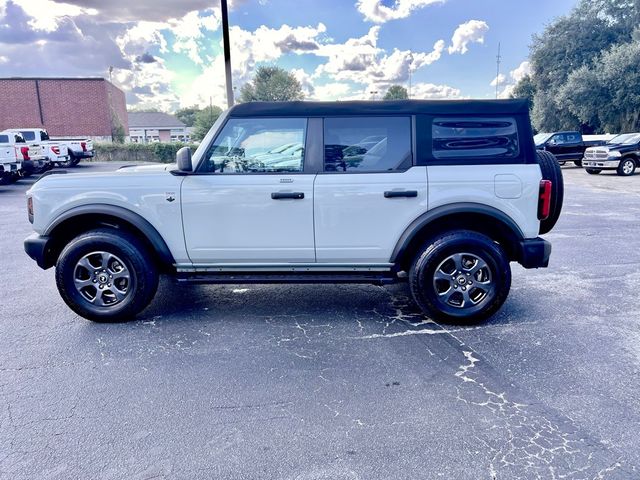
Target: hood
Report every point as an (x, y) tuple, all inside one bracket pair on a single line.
[(129, 176)]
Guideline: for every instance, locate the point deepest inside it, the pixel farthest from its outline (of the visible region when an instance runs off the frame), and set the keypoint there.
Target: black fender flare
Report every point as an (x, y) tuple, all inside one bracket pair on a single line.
[(447, 210), (149, 231)]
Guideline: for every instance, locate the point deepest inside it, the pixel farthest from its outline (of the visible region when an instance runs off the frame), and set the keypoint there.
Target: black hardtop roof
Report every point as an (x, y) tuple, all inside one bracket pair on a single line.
[(395, 107)]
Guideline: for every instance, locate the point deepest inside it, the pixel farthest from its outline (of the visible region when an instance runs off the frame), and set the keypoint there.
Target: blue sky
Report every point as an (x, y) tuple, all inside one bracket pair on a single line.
[(167, 53)]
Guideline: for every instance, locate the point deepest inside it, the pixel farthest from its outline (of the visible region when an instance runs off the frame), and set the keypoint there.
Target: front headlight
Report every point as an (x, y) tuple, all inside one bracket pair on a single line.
[(615, 154)]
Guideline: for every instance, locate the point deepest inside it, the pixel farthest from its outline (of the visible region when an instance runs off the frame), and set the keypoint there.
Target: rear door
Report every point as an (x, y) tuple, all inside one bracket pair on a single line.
[(369, 190)]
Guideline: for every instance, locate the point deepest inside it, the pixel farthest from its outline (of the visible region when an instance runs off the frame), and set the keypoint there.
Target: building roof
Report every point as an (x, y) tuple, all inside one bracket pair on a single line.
[(402, 107), (153, 120)]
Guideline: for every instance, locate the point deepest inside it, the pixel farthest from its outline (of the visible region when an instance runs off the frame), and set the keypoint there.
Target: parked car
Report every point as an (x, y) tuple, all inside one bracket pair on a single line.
[(445, 208), (57, 152), (621, 153), (79, 148), (10, 165), (565, 146), (29, 155)]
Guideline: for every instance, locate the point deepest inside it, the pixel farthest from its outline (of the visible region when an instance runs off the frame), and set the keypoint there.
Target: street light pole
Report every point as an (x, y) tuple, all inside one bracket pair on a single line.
[(227, 51)]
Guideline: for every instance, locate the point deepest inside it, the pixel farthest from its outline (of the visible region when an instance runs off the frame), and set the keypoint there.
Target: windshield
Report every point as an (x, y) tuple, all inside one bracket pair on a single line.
[(625, 139), (540, 138)]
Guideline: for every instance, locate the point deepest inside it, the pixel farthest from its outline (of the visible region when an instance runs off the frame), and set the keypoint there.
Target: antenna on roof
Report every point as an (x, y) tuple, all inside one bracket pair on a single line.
[(498, 61)]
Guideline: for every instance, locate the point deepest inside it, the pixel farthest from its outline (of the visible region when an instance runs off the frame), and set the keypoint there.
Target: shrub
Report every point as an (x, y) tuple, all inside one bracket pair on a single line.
[(138, 152)]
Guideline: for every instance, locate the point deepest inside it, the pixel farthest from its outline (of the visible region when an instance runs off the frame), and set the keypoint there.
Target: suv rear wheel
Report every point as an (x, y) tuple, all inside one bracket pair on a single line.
[(106, 275), (461, 277)]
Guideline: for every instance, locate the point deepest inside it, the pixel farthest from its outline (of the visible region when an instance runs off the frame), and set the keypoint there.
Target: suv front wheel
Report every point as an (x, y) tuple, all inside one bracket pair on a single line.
[(461, 277), (106, 275)]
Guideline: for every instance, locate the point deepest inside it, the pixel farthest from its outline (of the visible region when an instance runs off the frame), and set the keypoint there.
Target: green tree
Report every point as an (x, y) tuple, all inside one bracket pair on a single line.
[(608, 96), (187, 115), (204, 119), (271, 84), (396, 92), (576, 43), (525, 88)]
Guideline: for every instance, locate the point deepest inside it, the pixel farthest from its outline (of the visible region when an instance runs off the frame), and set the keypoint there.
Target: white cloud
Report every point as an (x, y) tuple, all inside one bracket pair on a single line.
[(472, 31), (515, 76), (521, 71), (47, 14), (499, 80), (332, 91), (375, 11), (360, 60), (430, 91)]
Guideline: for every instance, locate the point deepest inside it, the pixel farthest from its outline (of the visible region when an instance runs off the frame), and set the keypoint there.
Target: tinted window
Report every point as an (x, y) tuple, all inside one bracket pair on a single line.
[(258, 145), (367, 144), (475, 137), (29, 136), (44, 135), (4, 138)]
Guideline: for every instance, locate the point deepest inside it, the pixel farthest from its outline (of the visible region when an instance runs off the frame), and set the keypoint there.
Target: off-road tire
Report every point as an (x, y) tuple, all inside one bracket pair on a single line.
[(431, 262), (126, 248), (551, 171)]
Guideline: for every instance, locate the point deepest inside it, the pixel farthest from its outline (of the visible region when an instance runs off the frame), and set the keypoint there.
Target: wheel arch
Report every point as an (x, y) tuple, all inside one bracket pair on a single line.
[(84, 218), (460, 216)]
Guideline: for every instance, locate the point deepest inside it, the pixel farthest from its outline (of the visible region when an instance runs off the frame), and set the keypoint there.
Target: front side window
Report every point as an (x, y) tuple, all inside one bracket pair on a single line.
[(44, 135), (475, 138), (258, 145), (367, 144)]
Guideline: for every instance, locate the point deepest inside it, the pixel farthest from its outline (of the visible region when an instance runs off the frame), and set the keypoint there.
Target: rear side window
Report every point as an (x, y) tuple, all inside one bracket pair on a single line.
[(29, 136), (367, 144), (475, 138)]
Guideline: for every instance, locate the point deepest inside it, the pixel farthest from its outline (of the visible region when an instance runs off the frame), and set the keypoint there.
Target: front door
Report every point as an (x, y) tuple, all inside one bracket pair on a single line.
[(250, 201)]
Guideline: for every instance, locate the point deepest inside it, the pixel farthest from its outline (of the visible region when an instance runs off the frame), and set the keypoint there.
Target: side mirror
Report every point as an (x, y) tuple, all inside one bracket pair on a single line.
[(183, 157)]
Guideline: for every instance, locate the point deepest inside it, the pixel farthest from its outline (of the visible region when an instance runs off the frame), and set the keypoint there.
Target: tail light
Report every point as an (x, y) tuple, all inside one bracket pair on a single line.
[(56, 150), (25, 153), (84, 146), (544, 200)]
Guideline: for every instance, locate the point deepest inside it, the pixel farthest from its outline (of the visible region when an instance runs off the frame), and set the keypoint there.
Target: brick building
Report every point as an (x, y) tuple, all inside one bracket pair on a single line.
[(91, 107)]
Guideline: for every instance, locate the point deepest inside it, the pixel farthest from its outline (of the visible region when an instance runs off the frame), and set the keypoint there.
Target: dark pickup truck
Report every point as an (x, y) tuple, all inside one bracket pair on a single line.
[(566, 146)]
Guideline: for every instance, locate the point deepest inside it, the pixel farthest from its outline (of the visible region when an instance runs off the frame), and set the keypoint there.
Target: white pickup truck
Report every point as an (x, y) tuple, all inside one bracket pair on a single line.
[(79, 148), (55, 150), (18, 157), (10, 166)]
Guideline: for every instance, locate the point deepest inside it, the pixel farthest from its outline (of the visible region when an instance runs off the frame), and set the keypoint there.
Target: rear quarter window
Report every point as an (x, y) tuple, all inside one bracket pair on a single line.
[(467, 138)]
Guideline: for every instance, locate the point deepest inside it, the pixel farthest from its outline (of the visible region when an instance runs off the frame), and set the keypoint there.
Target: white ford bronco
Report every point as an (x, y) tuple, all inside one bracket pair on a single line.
[(442, 195)]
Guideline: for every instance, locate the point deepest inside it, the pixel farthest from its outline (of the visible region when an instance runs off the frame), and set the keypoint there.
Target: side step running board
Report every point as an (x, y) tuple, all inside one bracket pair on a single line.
[(375, 278)]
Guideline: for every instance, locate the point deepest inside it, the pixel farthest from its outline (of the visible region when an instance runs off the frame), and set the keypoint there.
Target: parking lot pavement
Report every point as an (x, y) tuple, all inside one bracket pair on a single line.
[(334, 382)]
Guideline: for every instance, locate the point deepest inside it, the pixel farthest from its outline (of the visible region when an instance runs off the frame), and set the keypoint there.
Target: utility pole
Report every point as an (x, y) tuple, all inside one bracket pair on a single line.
[(499, 59), (227, 51)]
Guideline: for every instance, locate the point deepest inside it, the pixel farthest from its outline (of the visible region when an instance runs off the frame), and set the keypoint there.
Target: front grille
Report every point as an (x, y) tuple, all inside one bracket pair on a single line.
[(596, 154)]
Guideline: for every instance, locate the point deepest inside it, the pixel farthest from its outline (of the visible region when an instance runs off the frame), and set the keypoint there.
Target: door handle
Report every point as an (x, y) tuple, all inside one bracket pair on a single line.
[(401, 193), (287, 195)]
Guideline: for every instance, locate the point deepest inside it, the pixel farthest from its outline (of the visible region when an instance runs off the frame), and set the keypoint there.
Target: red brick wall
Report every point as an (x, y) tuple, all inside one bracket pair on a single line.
[(18, 104), (72, 107)]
